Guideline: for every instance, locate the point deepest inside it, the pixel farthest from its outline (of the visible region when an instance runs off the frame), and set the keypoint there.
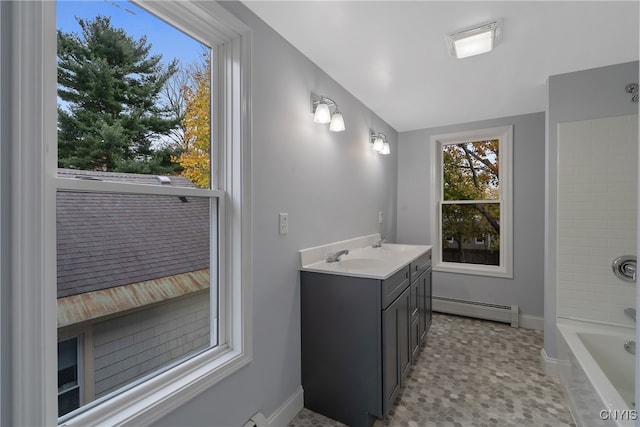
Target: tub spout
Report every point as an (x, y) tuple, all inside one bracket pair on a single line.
[(631, 312)]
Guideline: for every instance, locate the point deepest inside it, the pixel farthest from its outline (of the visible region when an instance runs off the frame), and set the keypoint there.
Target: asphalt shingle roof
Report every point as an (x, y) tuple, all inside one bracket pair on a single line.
[(108, 240)]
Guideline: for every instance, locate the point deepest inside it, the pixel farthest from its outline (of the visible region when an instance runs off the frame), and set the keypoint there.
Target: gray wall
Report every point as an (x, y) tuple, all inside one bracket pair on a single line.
[(581, 95), (415, 213), (331, 184)]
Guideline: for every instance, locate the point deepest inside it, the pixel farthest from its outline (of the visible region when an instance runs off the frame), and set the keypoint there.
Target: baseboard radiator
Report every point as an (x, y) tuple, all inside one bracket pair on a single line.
[(480, 310)]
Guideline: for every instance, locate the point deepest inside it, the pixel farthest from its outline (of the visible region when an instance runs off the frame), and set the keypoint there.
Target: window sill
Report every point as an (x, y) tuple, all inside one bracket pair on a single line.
[(473, 269), (160, 395)]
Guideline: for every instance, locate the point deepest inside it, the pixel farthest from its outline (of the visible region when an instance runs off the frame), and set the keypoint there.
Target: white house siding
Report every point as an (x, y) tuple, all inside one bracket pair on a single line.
[(131, 346)]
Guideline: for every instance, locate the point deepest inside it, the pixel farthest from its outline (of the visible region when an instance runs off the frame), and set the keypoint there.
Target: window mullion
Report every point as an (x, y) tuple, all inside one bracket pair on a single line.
[(470, 202), (129, 188)]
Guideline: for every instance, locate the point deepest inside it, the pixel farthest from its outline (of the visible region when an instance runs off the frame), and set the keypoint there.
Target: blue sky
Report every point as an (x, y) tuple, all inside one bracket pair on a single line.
[(165, 39)]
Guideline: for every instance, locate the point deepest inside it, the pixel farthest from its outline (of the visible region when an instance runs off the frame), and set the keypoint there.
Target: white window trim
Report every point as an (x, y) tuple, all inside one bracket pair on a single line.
[(33, 130), (505, 134)]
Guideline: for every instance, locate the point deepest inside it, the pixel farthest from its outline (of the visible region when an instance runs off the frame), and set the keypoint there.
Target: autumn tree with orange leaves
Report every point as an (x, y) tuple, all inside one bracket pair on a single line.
[(196, 143)]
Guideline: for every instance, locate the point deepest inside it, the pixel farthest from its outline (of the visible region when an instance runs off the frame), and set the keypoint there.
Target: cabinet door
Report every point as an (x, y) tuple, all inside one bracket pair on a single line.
[(425, 304), (391, 374), (404, 342), (397, 353), (415, 338)]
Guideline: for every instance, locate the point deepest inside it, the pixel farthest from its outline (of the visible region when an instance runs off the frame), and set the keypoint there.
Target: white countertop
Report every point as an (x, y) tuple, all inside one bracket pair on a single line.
[(369, 262)]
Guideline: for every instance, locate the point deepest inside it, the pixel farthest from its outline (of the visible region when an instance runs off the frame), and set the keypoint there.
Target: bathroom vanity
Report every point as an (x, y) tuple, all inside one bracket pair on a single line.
[(363, 320)]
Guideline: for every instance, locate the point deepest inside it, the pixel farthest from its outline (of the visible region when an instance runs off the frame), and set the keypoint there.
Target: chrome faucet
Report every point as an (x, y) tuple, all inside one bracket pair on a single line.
[(377, 243), (336, 255), (630, 312)]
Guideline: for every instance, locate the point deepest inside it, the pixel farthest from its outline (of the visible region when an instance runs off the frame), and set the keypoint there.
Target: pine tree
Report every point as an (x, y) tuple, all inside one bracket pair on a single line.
[(110, 84)]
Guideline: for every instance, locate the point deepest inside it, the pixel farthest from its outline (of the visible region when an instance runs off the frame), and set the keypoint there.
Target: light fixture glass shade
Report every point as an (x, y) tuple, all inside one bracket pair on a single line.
[(322, 114), (474, 45), (474, 40), (337, 122), (378, 143), (385, 148)]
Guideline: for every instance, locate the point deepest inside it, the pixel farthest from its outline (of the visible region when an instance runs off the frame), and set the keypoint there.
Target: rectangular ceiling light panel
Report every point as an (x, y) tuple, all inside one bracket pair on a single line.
[(474, 40)]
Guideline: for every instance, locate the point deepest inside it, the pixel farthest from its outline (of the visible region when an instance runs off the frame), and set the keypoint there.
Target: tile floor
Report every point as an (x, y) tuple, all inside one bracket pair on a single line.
[(473, 373)]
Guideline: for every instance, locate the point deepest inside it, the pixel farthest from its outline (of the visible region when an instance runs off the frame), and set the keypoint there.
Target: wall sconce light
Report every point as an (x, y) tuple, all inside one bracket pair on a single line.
[(380, 143), (321, 108), (475, 40)]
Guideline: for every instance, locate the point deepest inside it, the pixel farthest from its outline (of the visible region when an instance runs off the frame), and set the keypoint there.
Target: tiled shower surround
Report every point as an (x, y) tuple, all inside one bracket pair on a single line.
[(473, 373), (597, 206)]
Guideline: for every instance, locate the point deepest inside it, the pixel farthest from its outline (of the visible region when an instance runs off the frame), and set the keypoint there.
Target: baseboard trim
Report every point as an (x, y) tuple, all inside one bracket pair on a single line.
[(550, 365), (528, 321), (288, 410)]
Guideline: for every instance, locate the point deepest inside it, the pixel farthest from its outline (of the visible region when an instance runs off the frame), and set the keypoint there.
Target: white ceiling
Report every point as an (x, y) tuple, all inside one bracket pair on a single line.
[(391, 55)]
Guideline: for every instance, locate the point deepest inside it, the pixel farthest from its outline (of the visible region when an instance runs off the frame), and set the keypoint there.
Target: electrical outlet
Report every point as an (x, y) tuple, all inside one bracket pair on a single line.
[(284, 223), (380, 217)]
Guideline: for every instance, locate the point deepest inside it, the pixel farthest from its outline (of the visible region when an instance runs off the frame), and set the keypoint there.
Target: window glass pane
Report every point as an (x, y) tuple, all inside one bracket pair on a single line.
[(68, 381), (67, 354), (68, 401), (134, 94), (134, 276), (471, 233), (470, 171)]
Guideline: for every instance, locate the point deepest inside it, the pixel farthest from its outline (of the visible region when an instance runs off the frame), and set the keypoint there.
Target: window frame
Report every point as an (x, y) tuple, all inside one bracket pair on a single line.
[(33, 243), (505, 135)]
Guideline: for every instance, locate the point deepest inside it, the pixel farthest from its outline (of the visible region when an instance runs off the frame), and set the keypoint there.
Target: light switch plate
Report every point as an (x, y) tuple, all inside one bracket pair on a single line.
[(283, 220)]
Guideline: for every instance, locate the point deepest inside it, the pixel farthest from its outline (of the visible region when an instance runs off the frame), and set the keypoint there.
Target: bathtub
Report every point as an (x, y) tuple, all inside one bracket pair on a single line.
[(597, 374)]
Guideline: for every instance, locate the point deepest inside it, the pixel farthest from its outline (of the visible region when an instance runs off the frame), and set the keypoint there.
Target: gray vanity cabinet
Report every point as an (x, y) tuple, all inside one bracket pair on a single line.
[(357, 342)]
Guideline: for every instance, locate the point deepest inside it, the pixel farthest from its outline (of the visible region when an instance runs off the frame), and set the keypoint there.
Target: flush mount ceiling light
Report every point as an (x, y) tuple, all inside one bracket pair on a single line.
[(475, 40), (321, 109)]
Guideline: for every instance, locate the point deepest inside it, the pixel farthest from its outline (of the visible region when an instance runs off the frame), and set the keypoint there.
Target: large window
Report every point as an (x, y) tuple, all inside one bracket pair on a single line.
[(136, 211), (134, 248), (471, 228)]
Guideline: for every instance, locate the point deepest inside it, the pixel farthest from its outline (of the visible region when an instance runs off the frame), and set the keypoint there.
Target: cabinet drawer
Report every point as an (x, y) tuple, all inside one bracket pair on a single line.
[(420, 265), (394, 286)]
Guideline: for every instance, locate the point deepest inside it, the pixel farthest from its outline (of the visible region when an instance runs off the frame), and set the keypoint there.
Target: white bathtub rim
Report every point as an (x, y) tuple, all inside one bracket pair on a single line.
[(569, 329)]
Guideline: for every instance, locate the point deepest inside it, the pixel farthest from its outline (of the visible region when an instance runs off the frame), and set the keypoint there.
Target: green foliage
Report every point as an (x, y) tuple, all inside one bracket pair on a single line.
[(471, 172), (110, 85)]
